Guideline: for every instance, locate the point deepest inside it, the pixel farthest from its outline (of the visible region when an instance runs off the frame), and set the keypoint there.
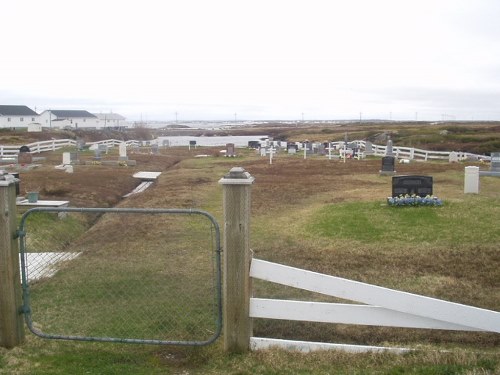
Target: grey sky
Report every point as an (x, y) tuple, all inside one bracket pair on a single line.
[(261, 59)]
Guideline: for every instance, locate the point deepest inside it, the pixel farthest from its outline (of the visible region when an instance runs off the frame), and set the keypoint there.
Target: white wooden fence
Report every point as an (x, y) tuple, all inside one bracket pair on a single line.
[(381, 307), (56, 144), (413, 153), (377, 150)]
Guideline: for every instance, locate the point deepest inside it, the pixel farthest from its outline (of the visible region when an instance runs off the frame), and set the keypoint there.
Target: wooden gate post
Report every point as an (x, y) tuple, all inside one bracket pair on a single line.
[(11, 319), (237, 326)]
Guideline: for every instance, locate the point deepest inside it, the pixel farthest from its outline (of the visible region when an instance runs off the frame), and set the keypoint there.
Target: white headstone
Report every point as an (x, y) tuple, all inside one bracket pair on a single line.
[(388, 150), (471, 180), (66, 158), (453, 158), (122, 150)]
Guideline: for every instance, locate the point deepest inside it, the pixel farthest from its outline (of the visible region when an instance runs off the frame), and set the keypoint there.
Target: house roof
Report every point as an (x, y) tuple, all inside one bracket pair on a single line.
[(109, 116), (16, 110), (71, 113)]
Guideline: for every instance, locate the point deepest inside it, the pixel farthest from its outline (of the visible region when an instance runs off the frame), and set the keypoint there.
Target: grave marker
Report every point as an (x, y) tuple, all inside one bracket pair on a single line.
[(471, 180), (388, 150), (122, 149), (495, 162), (230, 152), (388, 165), (66, 158), (453, 157), (368, 148), (24, 156), (412, 185)]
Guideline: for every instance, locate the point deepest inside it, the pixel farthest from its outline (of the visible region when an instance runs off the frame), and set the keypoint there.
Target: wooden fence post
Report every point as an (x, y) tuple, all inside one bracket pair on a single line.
[(11, 319), (237, 326)]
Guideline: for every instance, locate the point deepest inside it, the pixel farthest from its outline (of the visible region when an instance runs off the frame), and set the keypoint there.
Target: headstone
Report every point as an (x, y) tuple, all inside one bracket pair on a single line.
[(292, 150), (471, 180), (230, 150), (388, 150), (309, 147), (262, 151), (192, 144), (388, 165), (166, 143), (368, 148), (24, 156), (412, 185), (122, 149), (254, 144), (66, 160), (495, 162), (155, 148), (453, 157)]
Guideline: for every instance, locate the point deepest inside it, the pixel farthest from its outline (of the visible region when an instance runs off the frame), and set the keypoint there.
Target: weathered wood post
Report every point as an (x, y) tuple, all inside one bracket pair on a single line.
[(237, 326), (11, 320)]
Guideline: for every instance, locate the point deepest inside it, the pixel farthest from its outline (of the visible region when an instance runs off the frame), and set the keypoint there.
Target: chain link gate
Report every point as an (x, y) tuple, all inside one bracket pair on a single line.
[(145, 276)]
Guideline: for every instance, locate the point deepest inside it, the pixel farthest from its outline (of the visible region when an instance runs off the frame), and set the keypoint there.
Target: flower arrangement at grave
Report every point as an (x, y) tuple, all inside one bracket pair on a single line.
[(414, 200)]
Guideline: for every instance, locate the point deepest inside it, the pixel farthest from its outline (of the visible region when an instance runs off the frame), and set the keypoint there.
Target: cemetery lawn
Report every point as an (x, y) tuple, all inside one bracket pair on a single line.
[(325, 216)]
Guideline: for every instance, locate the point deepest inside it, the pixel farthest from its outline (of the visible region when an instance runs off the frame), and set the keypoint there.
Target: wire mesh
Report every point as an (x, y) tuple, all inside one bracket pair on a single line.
[(136, 275)]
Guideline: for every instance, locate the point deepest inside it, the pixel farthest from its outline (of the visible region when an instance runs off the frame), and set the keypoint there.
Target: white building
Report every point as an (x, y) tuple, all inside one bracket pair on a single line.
[(17, 116), (111, 120), (75, 119)]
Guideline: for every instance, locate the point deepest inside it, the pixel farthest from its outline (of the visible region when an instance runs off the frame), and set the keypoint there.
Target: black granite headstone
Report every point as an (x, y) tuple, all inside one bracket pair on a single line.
[(418, 185), (388, 163)]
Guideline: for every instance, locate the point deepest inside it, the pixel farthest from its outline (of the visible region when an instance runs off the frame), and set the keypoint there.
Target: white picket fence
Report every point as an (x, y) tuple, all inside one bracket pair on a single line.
[(381, 307)]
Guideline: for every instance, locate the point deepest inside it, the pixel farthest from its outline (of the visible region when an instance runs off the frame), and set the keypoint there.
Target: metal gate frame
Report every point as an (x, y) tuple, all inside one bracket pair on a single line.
[(26, 307)]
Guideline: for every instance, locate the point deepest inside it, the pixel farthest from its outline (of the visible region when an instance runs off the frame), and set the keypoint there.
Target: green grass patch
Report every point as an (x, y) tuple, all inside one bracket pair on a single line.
[(454, 222)]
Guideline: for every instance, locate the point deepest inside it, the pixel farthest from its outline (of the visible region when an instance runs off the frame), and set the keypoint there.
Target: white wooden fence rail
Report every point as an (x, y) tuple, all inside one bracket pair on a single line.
[(385, 307), (399, 152), (56, 144), (412, 153)]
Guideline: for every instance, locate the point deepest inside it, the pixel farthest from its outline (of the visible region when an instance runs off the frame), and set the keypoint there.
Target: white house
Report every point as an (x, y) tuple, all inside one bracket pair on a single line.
[(75, 119), (17, 116), (110, 120)]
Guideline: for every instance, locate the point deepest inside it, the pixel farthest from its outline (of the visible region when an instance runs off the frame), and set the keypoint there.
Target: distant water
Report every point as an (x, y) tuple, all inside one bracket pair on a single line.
[(239, 141), (213, 125)]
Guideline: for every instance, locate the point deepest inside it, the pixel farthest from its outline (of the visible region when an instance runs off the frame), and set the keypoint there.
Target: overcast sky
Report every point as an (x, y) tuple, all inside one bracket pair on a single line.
[(258, 59)]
